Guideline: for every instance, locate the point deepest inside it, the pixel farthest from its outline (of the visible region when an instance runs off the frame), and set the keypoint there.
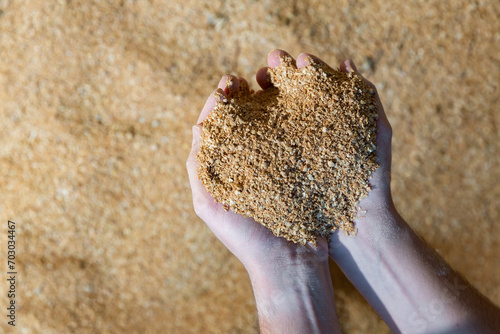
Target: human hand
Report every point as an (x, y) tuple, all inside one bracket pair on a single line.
[(291, 282), (379, 199), (359, 256), (411, 287), (253, 244), (377, 206)]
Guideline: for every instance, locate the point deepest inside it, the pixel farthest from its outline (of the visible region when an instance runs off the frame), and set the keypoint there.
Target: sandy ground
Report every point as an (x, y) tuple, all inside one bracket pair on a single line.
[(97, 99)]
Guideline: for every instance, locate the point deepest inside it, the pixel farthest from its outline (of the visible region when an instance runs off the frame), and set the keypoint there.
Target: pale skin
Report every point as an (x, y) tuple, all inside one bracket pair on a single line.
[(411, 287)]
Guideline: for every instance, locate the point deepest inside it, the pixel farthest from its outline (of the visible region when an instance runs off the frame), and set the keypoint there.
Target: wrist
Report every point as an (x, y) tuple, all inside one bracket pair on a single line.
[(295, 298), (272, 274), (272, 280), (285, 256), (378, 226)]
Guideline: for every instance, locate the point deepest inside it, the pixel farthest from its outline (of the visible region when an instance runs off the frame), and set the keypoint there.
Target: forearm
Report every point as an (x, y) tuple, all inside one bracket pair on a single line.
[(295, 298), (411, 287)]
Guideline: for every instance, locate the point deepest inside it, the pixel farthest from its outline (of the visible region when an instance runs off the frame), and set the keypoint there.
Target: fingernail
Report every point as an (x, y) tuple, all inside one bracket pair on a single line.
[(285, 58), (352, 67), (312, 60), (230, 83), (220, 96)]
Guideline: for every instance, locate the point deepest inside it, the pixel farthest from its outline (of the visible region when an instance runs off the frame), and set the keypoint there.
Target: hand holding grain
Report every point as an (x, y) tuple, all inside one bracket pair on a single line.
[(297, 157), (291, 282)]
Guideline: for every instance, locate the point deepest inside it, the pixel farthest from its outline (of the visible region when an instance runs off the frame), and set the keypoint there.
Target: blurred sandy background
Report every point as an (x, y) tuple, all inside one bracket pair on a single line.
[(97, 99)]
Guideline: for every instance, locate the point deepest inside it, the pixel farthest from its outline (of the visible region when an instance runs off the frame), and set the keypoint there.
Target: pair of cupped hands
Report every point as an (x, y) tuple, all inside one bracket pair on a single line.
[(253, 244)]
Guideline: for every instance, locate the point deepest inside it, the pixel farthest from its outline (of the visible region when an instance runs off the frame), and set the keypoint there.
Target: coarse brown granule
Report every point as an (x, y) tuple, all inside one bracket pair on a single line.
[(298, 156)]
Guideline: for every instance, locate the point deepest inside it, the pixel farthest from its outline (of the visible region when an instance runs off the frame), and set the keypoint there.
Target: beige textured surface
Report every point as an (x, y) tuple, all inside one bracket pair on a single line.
[(97, 100)]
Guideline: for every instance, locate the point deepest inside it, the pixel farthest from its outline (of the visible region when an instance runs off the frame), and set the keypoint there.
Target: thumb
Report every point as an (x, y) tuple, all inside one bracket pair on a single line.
[(192, 163)]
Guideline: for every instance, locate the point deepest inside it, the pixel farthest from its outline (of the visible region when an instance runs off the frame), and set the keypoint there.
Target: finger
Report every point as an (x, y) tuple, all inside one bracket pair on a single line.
[(217, 95), (305, 59), (264, 78), (348, 66), (229, 84), (192, 162), (244, 87), (279, 57), (274, 59)]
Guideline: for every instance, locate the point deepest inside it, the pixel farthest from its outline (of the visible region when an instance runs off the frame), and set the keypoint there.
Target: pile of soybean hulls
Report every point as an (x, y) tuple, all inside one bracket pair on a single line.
[(296, 157)]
